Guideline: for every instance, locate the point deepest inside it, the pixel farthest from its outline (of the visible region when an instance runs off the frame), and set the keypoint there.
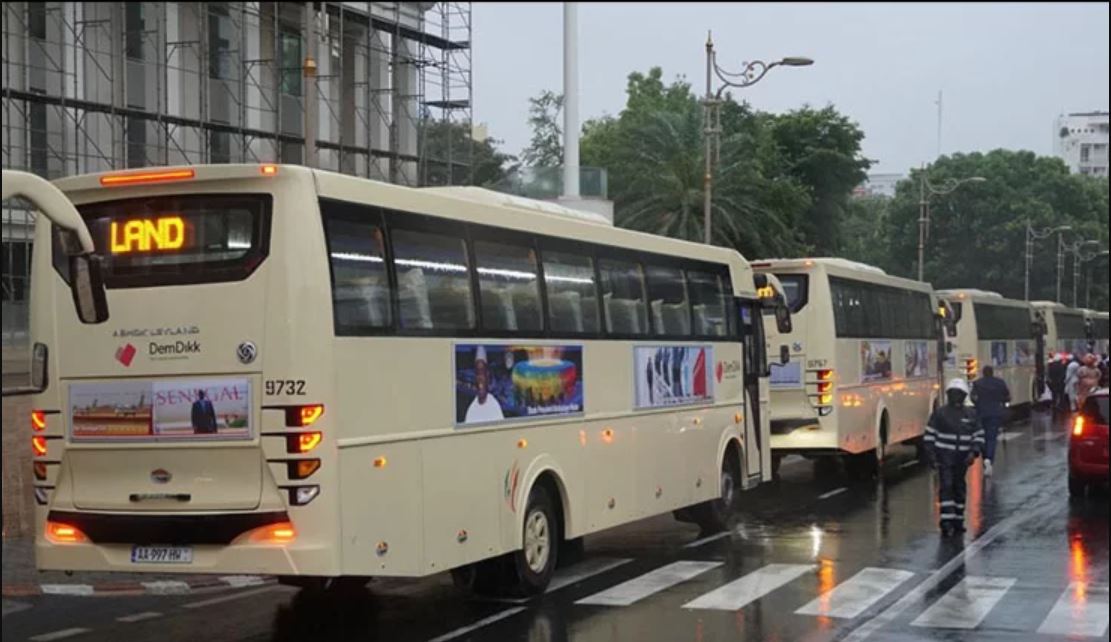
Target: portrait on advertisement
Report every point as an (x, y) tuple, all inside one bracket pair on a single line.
[(999, 354), (875, 360), (917, 359), (672, 375), (1024, 353), (496, 383)]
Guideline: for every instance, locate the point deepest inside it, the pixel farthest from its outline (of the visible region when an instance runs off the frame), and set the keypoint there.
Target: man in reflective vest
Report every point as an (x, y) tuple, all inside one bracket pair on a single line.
[(954, 438)]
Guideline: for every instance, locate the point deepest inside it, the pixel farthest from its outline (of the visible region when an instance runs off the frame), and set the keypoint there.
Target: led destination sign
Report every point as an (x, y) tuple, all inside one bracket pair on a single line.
[(162, 234)]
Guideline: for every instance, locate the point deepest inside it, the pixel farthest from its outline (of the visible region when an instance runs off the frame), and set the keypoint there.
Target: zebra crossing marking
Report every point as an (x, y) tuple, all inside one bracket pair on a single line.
[(1081, 611), (652, 582), (749, 588), (853, 596), (965, 605)]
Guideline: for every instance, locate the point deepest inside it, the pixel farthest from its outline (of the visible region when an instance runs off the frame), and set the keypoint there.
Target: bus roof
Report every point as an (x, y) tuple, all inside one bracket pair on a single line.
[(969, 293), (490, 197), (841, 267)]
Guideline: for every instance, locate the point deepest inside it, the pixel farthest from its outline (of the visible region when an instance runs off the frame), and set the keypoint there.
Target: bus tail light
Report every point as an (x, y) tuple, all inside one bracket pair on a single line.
[(144, 177), (303, 442), (825, 374), (302, 468), (38, 445), (825, 386), (278, 533), (1078, 426), (59, 533), (301, 495), (38, 420), (40, 470), (970, 368), (303, 416)]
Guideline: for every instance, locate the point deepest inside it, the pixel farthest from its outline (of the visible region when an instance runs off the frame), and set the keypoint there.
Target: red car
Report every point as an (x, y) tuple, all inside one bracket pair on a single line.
[(1088, 444)]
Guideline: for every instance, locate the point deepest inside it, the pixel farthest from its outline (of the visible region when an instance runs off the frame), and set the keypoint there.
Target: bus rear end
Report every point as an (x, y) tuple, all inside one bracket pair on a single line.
[(189, 432)]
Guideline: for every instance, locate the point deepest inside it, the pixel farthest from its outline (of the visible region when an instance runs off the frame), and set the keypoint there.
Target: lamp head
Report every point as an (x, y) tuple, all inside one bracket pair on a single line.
[(796, 61)]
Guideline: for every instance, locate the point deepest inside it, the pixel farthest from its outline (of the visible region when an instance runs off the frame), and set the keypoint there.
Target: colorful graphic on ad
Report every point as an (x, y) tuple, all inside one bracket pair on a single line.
[(786, 375), (1024, 353), (999, 354), (916, 355), (875, 360), (504, 382), (211, 408), (672, 375)]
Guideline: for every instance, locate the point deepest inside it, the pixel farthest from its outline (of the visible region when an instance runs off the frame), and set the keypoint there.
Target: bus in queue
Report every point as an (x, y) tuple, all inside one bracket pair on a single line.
[(992, 330), (1098, 330), (863, 370), (1062, 331), (272, 369)]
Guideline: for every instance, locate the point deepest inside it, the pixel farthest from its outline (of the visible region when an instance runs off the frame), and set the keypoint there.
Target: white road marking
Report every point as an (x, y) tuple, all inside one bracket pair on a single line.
[(832, 493), (853, 596), (655, 581), (58, 635), (139, 617), (1081, 611), (166, 587), (571, 575), (736, 594), (67, 589), (912, 597), (966, 604), (230, 598), (242, 581), (1007, 436), (501, 615), (913, 462), (705, 540)]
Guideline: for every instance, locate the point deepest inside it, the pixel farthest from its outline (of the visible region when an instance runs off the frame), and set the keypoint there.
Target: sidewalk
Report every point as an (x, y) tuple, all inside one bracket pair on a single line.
[(20, 579)]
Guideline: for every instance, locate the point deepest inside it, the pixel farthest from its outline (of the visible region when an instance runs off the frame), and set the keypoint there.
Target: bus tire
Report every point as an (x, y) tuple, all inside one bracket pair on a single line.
[(715, 515), (531, 567)]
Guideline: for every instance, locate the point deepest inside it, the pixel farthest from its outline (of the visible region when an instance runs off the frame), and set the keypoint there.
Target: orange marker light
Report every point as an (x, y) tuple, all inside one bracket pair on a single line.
[(268, 170), (40, 471), (138, 178), (59, 533), (38, 445), (279, 533), (309, 414), (303, 468), (1078, 426), (38, 420), (825, 375), (380, 462), (607, 435), (825, 400), (522, 443)]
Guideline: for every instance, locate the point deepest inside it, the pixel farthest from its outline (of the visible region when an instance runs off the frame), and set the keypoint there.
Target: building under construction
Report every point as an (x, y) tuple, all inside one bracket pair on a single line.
[(374, 89)]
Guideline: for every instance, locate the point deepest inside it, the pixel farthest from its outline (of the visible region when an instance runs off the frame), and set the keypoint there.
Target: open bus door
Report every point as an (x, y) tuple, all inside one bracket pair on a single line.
[(87, 284)]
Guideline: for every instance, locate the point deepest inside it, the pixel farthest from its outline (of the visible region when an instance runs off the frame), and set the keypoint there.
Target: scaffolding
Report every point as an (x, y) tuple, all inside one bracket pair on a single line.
[(91, 86)]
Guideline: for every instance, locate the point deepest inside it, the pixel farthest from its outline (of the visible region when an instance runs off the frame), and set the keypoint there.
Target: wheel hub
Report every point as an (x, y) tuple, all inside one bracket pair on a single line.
[(537, 541)]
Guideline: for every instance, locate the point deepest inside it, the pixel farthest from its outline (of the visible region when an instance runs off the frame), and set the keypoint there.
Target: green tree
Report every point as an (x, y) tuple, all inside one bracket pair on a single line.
[(472, 162), (545, 149), (821, 148), (862, 230), (977, 233)]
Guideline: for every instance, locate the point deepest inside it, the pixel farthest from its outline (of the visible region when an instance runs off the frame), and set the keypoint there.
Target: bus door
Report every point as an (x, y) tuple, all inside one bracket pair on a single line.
[(755, 371)]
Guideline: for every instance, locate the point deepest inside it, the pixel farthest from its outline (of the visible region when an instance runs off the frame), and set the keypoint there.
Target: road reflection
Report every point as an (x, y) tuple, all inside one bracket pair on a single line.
[(314, 615)]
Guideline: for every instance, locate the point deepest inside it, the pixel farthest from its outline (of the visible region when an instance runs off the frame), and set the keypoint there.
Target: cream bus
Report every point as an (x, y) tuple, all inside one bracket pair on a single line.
[(315, 376), (863, 368), (992, 330), (1098, 327)]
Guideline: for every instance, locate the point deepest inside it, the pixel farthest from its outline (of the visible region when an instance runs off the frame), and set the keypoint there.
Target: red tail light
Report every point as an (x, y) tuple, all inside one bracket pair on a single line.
[(38, 420), (59, 533), (303, 416), (280, 533), (303, 442), (1078, 426), (826, 374), (38, 445)]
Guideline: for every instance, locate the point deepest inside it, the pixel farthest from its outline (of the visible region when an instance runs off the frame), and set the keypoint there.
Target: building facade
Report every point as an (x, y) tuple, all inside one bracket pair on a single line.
[(881, 185), (1080, 140), (94, 86)]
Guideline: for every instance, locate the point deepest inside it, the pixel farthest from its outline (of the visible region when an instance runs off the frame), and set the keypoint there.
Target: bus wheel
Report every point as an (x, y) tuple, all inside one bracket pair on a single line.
[(534, 564), (714, 516)]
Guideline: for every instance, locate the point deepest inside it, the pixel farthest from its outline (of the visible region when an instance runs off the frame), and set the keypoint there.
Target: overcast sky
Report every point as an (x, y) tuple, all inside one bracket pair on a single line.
[(1006, 70)]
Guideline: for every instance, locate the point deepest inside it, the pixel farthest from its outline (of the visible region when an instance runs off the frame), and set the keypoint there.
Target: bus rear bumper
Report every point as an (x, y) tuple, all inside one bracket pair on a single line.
[(297, 559), (810, 437)]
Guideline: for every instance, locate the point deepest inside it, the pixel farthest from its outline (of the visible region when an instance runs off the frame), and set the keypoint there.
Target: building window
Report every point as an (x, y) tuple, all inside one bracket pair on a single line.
[(136, 142), (1085, 153), (219, 43), (289, 46), (219, 147), (16, 262), (36, 18), (40, 156), (133, 31)]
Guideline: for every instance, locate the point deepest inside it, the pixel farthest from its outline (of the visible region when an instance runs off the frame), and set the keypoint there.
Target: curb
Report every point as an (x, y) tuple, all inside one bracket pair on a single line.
[(156, 587)]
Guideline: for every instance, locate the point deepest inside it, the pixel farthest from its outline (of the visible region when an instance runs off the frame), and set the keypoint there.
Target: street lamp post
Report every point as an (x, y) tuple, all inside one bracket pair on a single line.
[(1032, 236), (1076, 259), (925, 191), (750, 74)]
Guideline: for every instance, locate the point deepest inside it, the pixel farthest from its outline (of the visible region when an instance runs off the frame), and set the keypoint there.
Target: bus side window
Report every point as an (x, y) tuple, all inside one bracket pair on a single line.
[(667, 292), (708, 301), (433, 280), (508, 287), (360, 287), (623, 294), (572, 292)]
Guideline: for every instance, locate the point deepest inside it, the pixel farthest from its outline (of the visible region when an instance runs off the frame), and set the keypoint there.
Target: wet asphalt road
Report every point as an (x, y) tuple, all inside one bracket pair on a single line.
[(817, 557)]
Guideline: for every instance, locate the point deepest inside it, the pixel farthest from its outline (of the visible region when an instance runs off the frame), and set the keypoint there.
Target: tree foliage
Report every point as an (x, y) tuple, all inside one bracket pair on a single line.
[(545, 149), (473, 162)]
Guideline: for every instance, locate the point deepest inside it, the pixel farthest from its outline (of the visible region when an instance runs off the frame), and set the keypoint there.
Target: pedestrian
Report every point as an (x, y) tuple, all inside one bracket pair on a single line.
[(1055, 373), (953, 440), (1087, 379), (1071, 381), (991, 397)]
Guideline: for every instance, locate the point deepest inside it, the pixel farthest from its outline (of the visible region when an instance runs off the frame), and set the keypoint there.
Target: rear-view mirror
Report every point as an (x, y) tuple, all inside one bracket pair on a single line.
[(87, 285)]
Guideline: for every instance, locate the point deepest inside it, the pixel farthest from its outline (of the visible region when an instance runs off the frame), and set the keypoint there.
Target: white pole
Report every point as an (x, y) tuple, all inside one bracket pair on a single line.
[(570, 100)]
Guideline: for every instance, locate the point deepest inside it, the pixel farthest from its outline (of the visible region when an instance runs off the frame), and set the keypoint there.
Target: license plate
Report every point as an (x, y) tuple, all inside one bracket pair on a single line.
[(162, 555)]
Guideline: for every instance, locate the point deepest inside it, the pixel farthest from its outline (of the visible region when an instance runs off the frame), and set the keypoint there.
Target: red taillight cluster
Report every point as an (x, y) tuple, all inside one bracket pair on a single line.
[(970, 368), (300, 443), (1078, 426), (820, 390)]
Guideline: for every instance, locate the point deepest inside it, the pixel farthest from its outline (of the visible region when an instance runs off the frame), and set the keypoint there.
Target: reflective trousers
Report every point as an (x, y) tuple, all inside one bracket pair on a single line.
[(951, 491)]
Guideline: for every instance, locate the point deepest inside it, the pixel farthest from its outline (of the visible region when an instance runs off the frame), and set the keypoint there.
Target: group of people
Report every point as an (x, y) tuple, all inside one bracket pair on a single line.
[(958, 433), (1071, 377)]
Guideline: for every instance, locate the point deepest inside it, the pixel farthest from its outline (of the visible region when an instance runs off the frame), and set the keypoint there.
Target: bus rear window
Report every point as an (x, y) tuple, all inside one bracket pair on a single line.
[(176, 240), (794, 288)]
